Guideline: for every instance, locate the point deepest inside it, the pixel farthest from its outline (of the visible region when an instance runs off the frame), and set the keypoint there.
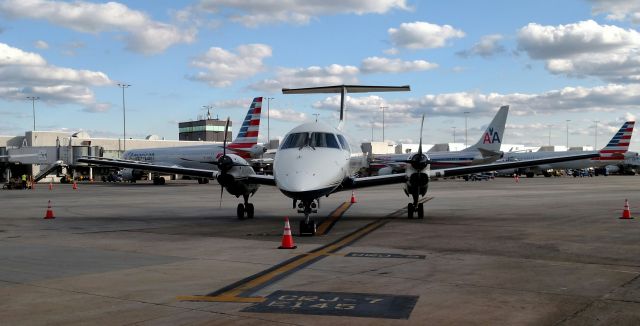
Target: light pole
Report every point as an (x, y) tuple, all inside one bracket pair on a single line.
[(466, 114), (33, 106), (595, 147), (124, 117), (383, 107), (568, 134), (316, 114), (268, 127), (550, 135), (454, 134)]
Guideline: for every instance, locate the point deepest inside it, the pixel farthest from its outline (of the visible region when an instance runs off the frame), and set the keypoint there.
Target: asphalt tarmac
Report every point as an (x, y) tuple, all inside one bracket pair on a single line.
[(543, 251)]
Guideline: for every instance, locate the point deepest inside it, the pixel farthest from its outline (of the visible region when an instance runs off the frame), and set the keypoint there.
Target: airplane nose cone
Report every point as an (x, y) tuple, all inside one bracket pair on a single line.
[(301, 173)]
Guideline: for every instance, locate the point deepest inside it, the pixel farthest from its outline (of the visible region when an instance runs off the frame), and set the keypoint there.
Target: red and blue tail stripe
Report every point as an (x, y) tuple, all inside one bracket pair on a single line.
[(248, 134), (618, 145)]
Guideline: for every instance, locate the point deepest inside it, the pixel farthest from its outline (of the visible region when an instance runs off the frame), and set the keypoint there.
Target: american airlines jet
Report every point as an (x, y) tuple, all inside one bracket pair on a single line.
[(614, 152), (314, 161), (197, 156), (486, 150)]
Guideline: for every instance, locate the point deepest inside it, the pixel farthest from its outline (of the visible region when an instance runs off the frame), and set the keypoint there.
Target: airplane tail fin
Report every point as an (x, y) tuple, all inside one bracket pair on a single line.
[(491, 139), (248, 134), (619, 144)]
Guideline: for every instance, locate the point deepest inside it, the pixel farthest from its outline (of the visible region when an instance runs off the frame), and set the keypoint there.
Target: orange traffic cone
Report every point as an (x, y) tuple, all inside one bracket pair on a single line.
[(49, 214), (287, 238), (626, 212), (353, 198), (75, 185)]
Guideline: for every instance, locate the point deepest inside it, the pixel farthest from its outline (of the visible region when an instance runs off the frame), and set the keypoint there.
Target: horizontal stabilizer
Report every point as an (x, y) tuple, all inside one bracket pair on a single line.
[(348, 88)]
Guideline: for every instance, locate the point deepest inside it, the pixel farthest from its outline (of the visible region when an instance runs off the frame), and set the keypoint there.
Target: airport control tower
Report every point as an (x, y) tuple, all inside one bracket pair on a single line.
[(204, 129)]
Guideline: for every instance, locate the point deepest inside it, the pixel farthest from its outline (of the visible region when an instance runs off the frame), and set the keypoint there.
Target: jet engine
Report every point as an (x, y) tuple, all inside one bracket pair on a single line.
[(131, 174)]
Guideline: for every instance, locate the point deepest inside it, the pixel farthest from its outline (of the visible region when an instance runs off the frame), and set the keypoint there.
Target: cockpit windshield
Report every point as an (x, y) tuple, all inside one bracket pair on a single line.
[(313, 140), (296, 140)]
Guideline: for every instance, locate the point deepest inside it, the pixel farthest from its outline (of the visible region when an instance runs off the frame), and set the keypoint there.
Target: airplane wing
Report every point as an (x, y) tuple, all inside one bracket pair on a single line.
[(451, 172), (260, 179), (353, 183), (150, 167)]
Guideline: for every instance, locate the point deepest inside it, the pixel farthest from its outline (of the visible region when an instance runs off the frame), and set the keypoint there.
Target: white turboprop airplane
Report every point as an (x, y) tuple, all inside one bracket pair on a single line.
[(486, 150), (615, 152), (198, 156), (314, 161)]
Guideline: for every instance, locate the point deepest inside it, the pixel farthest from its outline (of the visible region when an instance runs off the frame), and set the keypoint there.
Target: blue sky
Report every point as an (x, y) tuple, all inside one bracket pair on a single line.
[(551, 61)]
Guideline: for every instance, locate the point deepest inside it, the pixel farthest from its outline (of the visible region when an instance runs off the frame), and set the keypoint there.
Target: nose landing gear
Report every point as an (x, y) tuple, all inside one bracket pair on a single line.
[(308, 226)]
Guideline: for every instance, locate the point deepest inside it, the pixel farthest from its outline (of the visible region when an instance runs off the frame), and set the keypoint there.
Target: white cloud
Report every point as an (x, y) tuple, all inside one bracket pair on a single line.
[(40, 44), (488, 46), (25, 74), (566, 41), (617, 10), (308, 77), (288, 115), (97, 108), (608, 98), (144, 35), (222, 67), (422, 35), (391, 51), (254, 13), (585, 49), (377, 64)]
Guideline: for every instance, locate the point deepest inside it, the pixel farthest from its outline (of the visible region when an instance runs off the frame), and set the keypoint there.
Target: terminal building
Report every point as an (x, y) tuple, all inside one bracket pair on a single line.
[(36, 151)]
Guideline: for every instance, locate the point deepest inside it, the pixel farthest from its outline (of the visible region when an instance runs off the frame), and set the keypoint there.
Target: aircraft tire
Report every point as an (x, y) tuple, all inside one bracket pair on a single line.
[(420, 211), (249, 210), (410, 210), (240, 211)]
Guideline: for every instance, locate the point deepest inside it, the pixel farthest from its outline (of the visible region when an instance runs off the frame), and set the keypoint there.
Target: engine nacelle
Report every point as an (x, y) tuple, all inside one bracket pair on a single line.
[(612, 169), (417, 180), (131, 174), (234, 180), (257, 150)]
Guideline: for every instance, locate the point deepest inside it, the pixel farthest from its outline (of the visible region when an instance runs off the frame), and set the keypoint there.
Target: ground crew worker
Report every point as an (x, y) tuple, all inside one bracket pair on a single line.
[(24, 181)]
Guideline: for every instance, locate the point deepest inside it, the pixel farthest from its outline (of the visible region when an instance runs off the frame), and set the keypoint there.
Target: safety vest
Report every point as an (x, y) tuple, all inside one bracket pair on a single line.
[(24, 177)]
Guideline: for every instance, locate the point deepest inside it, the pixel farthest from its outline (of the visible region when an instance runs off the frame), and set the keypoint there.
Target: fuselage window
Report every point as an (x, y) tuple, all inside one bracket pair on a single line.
[(344, 143)]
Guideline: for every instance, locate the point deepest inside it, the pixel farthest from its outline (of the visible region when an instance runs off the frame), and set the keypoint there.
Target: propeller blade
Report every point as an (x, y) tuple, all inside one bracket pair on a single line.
[(221, 193), (224, 146), (420, 146)]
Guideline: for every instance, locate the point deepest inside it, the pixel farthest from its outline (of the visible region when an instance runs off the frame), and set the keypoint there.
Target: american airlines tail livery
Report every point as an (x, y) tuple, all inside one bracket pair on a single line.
[(245, 145), (614, 153)]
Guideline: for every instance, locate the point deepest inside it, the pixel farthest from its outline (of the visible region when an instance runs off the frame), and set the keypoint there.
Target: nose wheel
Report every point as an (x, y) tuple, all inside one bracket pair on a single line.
[(245, 210), (308, 226)]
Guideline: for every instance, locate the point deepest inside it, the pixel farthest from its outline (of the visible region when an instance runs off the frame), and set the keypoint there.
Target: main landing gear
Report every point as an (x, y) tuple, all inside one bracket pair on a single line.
[(246, 209), (415, 207), (158, 181), (308, 226)]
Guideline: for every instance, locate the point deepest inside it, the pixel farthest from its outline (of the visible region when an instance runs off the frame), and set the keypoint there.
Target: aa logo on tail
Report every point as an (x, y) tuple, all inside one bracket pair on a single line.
[(491, 136)]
